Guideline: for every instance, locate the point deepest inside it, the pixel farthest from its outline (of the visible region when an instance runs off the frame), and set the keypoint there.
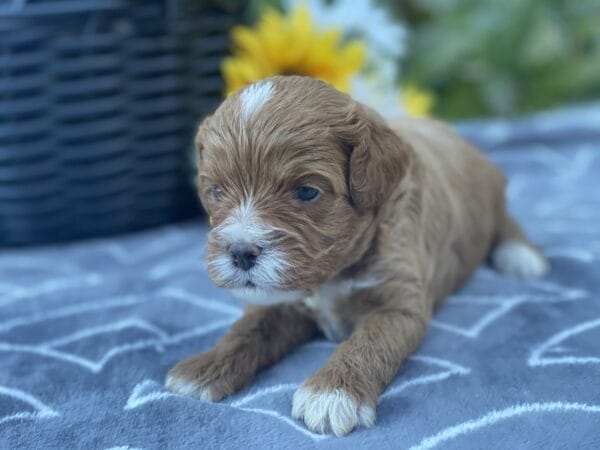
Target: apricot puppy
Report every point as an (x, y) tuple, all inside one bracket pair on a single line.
[(327, 218)]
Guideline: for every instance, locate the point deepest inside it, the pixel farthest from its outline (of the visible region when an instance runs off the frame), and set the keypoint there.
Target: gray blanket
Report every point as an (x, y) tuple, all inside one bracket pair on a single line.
[(88, 331)]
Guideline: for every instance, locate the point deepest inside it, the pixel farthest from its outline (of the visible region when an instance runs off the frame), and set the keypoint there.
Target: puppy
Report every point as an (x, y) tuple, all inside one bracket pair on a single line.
[(326, 218)]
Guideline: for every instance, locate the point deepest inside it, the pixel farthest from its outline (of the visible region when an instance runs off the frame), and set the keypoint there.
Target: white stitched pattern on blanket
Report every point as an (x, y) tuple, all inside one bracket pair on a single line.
[(497, 416), (158, 341), (500, 306), (41, 410), (96, 366), (143, 393), (537, 357), (150, 391), (14, 293)]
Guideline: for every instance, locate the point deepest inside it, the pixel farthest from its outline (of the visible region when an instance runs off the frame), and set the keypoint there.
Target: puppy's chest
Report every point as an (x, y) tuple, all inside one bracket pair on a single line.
[(328, 304)]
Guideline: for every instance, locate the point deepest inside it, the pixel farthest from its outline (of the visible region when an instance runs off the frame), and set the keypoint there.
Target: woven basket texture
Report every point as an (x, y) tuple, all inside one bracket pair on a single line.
[(99, 101)]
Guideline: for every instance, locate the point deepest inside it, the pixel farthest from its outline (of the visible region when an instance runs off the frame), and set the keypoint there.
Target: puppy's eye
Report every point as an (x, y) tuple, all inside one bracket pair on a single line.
[(216, 193), (306, 193)]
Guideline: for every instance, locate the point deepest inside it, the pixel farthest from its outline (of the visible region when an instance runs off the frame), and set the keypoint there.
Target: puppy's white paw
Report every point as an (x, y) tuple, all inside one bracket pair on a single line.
[(516, 258), (330, 411), (182, 386)]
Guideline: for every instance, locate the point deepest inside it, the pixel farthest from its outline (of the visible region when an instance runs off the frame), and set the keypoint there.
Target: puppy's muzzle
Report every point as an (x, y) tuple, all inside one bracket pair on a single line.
[(244, 254)]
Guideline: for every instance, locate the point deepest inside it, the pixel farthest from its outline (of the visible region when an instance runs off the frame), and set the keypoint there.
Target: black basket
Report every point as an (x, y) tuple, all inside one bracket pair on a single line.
[(99, 101)]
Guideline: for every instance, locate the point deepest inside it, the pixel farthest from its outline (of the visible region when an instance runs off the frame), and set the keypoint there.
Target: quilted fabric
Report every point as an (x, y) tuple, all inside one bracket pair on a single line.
[(88, 331)]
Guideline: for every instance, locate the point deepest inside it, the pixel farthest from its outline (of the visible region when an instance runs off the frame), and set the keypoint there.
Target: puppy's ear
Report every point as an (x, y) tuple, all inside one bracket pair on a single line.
[(200, 136), (379, 158)]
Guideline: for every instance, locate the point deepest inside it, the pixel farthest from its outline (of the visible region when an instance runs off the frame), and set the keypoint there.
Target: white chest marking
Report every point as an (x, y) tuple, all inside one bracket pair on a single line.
[(324, 302)]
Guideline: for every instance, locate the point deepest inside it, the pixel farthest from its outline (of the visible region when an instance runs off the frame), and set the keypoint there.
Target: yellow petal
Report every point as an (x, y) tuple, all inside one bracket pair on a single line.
[(352, 57), (417, 102), (248, 43), (280, 44)]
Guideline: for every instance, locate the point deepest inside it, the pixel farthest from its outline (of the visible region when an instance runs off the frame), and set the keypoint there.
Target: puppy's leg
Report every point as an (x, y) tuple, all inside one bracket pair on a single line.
[(344, 393), (514, 254), (261, 337)]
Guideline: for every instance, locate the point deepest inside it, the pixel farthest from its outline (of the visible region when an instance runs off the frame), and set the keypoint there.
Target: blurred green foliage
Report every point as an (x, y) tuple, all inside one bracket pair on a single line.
[(496, 57), (502, 57), (255, 8)]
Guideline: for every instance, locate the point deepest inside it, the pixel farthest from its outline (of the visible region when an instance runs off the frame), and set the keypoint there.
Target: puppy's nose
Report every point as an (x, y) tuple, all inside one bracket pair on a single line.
[(244, 254)]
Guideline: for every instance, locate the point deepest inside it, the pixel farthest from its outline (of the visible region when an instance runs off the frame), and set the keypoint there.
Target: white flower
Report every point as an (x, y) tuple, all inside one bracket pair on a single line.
[(377, 85), (383, 98), (360, 18)]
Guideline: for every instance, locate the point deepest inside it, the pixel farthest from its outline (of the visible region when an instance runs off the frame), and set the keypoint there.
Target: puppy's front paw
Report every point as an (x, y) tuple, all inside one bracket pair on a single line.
[(204, 377), (183, 386), (331, 410)]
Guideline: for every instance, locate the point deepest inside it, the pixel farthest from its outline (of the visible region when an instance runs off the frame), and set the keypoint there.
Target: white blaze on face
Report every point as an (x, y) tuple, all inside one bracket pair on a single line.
[(253, 98), (245, 225)]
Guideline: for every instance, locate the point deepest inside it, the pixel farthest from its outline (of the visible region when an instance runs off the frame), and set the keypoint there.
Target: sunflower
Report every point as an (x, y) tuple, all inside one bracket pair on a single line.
[(417, 102), (286, 45)]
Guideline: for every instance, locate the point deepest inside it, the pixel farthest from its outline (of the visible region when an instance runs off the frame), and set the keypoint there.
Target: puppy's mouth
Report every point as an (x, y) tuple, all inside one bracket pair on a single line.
[(232, 278), (251, 264), (251, 290), (251, 286)]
